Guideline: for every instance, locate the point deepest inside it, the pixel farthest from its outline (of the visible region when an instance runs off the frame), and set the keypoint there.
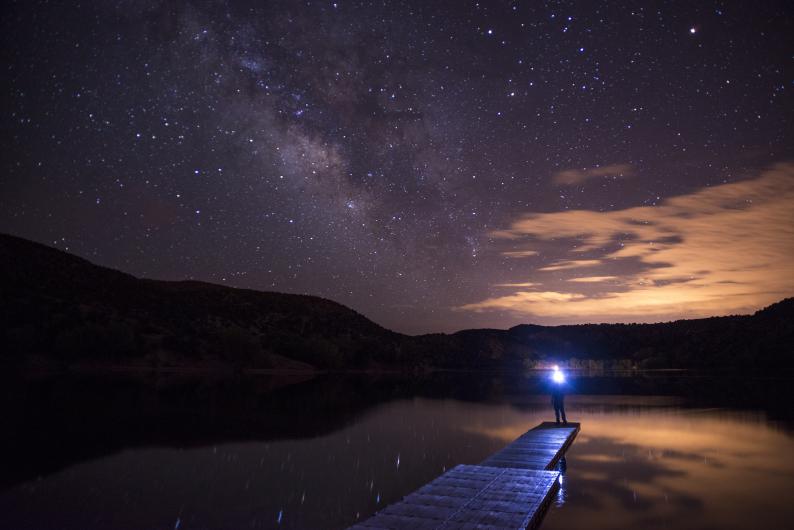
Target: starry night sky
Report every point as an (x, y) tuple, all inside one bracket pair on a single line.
[(433, 165)]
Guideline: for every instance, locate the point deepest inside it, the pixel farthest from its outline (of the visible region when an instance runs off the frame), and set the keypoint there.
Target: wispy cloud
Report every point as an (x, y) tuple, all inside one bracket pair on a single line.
[(577, 176), (571, 264), (520, 253), (719, 250)]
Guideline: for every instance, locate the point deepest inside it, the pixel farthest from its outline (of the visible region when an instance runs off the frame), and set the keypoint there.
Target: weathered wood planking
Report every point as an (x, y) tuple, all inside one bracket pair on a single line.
[(510, 489), (538, 448)]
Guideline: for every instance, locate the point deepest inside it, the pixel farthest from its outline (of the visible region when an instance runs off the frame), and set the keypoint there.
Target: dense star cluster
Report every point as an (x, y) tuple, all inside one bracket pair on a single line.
[(403, 157)]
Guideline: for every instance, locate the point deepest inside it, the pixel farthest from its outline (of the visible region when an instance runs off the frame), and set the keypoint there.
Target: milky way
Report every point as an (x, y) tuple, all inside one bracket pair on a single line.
[(428, 164)]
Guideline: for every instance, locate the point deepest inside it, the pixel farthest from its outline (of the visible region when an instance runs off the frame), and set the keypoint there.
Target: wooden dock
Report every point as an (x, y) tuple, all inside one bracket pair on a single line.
[(510, 489)]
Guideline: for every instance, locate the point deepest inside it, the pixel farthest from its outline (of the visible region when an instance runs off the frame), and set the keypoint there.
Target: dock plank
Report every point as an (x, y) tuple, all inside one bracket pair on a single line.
[(509, 489)]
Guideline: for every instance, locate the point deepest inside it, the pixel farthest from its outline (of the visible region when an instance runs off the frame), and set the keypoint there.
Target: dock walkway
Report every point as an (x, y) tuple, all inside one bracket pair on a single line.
[(510, 489)]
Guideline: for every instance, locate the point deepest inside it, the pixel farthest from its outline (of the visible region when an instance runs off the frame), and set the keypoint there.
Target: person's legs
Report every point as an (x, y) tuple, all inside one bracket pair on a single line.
[(557, 411), (562, 413)]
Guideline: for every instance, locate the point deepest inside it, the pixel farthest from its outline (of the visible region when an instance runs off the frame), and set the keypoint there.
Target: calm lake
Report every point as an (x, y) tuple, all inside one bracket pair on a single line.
[(672, 450)]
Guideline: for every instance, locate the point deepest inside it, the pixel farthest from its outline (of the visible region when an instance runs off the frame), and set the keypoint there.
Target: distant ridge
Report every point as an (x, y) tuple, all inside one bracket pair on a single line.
[(58, 310)]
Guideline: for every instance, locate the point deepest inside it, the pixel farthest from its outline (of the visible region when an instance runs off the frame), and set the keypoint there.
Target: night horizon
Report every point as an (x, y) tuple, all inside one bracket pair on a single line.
[(433, 168), (176, 282)]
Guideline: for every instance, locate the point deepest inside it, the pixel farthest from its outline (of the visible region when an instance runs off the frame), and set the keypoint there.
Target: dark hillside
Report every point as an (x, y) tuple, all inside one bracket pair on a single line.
[(58, 310), (56, 305)]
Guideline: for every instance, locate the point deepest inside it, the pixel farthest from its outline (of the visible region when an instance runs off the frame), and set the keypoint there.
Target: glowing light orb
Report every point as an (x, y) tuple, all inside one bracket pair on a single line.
[(558, 377)]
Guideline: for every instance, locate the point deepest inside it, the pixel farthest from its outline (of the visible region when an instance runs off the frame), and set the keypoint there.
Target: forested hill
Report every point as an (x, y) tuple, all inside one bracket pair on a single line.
[(56, 306), (765, 339), (58, 310)]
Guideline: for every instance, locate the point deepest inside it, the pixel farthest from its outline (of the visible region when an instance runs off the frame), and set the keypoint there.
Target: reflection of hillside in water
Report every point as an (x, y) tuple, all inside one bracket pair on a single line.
[(320, 453), (55, 422)]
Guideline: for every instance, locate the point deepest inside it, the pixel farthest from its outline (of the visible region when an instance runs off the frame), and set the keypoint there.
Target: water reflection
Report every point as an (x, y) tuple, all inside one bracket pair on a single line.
[(678, 468), (325, 453), (562, 467)]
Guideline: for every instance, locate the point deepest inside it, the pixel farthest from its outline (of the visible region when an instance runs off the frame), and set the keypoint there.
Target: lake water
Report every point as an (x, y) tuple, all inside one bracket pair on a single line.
[(654, 451)]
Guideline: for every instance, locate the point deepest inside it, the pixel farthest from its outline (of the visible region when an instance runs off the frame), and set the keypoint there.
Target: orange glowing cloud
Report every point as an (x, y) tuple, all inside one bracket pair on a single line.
[(720, 250), (519, 253), (571, 264)]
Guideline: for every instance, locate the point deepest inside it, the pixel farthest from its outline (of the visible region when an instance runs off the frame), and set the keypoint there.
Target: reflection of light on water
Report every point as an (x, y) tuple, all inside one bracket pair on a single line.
[(562, 466), (560, 499)]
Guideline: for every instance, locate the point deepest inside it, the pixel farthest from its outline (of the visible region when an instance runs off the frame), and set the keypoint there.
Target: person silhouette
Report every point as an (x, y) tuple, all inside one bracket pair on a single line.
[(558, 395)]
